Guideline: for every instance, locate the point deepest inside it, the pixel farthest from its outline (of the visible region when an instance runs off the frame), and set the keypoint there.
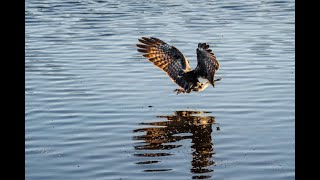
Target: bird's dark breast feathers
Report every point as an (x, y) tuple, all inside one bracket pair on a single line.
[(176, 73), (190, 78)]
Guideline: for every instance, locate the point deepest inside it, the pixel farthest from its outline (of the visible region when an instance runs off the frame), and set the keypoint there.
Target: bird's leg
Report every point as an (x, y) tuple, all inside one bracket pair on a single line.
[(180, 91)]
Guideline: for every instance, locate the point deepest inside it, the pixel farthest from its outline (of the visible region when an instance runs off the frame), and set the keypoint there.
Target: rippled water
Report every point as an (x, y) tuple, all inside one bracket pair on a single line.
[(96, 109)]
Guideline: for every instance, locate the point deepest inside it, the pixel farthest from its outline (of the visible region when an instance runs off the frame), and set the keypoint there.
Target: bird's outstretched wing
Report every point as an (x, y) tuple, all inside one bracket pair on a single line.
[(207, 63), (166, 57)]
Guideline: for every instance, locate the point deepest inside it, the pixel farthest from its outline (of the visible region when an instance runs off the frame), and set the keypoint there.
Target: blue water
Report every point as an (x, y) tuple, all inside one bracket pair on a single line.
[(97, 109)]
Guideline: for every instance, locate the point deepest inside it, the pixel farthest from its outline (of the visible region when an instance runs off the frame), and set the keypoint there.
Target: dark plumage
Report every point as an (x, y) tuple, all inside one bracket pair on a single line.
[(172, 61)]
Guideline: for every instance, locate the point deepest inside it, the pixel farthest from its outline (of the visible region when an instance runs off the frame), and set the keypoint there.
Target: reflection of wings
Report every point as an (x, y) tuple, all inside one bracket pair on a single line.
[(207, 62), (166, 57), (162, 138)]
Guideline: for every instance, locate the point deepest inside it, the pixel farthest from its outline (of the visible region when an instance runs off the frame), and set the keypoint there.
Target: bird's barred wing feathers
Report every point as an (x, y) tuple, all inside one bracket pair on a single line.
[(166, 57), (207, 62)]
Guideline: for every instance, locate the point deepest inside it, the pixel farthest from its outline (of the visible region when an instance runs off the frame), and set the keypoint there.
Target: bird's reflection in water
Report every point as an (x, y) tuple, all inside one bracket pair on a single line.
[(160, 137)]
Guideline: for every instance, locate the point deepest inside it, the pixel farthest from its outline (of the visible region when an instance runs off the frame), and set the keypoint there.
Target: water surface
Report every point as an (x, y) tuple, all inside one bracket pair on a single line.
[(96, 109)]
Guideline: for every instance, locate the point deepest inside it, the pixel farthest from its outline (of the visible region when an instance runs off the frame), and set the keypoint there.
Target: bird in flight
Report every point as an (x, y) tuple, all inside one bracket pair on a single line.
[(169, 59)]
